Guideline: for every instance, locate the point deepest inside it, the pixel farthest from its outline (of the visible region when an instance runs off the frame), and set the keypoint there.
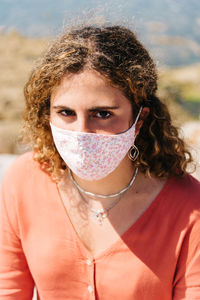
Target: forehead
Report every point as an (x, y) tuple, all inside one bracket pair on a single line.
[(88, 86)]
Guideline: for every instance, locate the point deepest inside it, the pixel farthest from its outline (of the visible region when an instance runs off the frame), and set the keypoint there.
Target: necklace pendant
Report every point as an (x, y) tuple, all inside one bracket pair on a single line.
[(99, 215)]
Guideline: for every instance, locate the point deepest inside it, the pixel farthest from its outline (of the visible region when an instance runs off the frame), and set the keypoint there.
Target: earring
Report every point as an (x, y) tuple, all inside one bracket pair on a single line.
[(133, 153)]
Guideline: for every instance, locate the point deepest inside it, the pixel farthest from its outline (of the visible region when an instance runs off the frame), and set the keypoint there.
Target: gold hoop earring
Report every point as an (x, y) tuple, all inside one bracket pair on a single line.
[(133, 153)]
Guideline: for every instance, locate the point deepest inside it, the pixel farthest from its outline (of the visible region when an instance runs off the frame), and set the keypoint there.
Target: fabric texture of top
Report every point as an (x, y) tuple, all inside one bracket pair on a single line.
[(157, 258)]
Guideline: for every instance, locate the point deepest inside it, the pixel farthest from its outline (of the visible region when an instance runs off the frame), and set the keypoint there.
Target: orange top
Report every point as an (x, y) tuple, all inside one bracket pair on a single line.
[(157, 258)]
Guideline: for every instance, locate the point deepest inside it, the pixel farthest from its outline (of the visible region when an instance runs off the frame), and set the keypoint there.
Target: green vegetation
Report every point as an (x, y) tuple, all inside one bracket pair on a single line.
[(179, 88)]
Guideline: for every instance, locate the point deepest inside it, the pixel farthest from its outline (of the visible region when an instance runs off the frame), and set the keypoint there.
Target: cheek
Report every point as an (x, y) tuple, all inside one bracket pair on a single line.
[(52, 116), (56, 120), (124, 121), (128, 119), (121, 124), (128, 115)]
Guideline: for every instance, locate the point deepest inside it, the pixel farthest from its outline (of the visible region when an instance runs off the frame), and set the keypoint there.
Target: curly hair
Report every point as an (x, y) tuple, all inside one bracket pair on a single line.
[(117, 54)]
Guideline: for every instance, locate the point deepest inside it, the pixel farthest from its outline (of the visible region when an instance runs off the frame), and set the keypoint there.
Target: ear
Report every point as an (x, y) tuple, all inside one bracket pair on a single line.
[(144, 113)]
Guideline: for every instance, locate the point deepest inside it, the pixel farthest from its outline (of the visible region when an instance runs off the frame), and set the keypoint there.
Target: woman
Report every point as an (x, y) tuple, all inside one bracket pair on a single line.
[(103, 208)]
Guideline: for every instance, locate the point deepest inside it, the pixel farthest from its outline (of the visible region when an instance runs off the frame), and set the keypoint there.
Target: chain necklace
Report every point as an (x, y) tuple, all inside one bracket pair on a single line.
[(81, 190), (100, 214)]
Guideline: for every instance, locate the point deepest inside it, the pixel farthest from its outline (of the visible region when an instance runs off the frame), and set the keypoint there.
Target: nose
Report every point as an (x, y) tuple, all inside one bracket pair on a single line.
[(82, 124)]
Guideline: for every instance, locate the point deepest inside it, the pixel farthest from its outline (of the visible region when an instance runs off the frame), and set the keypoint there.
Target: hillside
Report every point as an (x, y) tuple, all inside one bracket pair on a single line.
[(171, 29), (17, 57), (181, 86)]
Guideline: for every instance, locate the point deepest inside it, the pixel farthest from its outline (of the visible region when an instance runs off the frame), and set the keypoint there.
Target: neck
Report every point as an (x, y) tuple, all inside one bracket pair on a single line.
[(112, 183)]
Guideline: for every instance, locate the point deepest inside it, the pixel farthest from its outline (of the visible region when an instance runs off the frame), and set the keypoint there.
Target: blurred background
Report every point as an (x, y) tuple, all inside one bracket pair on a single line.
[(169, 29)]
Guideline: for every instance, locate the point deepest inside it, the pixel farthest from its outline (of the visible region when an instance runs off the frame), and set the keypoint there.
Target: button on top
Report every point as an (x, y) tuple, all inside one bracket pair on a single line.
[(89, 262), (90, 288)]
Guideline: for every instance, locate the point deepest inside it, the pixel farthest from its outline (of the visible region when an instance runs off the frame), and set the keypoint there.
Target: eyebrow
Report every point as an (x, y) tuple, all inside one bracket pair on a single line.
[(95, 108)]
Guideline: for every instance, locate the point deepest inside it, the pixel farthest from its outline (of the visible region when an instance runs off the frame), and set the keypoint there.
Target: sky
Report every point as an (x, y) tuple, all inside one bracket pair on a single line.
[(170, 27)]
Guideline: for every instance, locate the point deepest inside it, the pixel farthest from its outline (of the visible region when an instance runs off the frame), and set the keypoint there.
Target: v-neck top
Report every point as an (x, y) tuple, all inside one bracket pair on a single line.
[(157, 258)]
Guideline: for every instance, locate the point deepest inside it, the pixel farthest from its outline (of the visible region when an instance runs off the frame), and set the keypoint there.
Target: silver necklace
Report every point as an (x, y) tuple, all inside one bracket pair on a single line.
[(100, 214), (92, 195)]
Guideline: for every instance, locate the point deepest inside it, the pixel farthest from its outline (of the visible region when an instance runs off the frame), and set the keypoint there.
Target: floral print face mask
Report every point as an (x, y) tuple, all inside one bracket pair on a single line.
[(93, 156)]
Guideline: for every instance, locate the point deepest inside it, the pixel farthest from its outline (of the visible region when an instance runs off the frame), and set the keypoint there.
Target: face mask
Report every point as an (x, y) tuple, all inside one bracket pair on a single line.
[(93, 156)]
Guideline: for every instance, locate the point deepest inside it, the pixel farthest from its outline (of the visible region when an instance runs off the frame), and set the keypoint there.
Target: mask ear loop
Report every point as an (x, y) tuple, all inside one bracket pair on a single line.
[(134, 155), (138, 115)]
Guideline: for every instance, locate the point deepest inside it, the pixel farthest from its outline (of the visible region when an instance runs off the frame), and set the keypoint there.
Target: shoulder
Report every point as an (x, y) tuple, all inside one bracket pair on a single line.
[(23, 172), (185, 183), (186, 189), (181, 200), (21, 166), (24, 184), (23, 160)]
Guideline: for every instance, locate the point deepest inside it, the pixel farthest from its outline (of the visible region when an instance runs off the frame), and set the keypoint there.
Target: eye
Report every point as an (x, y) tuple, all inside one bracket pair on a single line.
[(67, 112), (103, 114)]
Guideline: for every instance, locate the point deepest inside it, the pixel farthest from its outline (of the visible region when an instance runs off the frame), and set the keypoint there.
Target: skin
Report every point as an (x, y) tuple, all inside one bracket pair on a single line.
[(86, 102)]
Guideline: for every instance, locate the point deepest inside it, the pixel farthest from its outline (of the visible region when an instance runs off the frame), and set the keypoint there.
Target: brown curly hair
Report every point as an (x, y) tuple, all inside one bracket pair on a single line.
[(115, 53)]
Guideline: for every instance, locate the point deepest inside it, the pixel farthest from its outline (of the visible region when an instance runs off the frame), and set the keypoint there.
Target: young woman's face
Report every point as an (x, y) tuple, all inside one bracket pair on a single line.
[(86, 102)]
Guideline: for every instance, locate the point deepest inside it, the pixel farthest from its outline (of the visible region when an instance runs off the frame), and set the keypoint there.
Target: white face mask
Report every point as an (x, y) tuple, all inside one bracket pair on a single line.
[(92, 156)]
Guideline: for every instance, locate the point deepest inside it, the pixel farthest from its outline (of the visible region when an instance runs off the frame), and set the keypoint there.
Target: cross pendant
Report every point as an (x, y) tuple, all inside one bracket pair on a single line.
[(99, 215)]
